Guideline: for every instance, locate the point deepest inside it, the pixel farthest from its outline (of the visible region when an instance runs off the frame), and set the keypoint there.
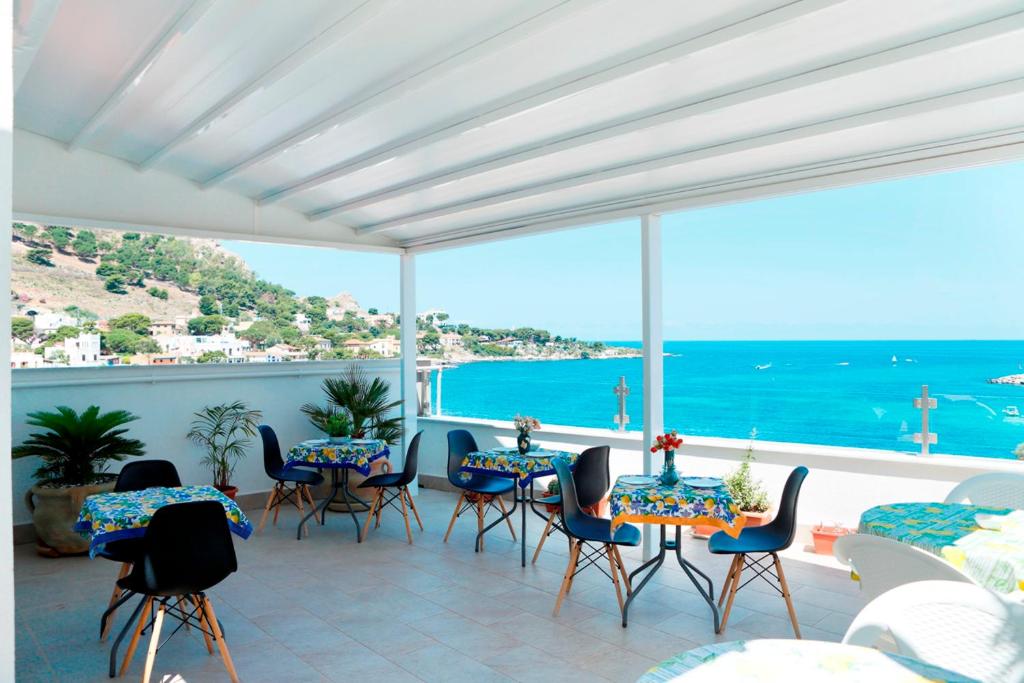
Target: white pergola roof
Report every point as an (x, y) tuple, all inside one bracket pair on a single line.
[(407, 124)]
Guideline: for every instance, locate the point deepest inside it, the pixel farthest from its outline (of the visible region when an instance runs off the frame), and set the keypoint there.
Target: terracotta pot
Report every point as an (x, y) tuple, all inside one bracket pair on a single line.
[(229, 491), (825, 537), (54, 513)]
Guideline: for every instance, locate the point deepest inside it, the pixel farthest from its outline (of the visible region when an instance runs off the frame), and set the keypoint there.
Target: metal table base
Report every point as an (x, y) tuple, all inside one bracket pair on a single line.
[(338, 483), (518, 498)]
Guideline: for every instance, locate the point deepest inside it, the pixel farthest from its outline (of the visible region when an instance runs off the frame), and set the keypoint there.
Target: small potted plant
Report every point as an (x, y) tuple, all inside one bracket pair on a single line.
[(825, 536), (525, 424), (75, 450), (748, 494), (225, 432), (553, 490), (337, 427)]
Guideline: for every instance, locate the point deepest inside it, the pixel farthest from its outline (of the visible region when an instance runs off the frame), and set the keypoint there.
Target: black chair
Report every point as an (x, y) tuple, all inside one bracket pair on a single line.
[(592, 478), (584, 530), (187, 549), (767, 541), (134, 476), (400, 482), (300, 480), (479, 491)]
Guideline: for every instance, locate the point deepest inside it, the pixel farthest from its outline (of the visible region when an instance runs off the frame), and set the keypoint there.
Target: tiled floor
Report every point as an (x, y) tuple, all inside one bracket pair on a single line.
[(327, 609)]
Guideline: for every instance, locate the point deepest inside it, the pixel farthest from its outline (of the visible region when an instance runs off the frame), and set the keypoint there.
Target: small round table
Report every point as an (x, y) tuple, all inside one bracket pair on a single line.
[(770, 661)]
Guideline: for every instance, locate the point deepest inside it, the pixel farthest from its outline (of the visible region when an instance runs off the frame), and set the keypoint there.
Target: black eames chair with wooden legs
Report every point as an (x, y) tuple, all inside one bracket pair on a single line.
[(187, 550), (299, 479), (585, 533), (399, 481), (134, 476), (592, 479), (479, 491), (767, 541)]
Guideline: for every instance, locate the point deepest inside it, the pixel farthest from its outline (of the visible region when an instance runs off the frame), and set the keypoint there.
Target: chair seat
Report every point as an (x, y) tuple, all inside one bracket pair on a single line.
[(294, 475), (126, 550), (381, 480), (550, 500), (599, 530), (760, 539), (490, 486)]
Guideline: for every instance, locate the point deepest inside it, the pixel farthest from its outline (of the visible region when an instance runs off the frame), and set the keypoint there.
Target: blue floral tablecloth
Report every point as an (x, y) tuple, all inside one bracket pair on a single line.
[(107, 517), (353, 454), (507, 462), (788, 661), (678, 504)]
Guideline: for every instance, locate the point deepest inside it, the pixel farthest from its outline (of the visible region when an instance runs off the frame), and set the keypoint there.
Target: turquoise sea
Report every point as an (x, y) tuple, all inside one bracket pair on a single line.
[(843, 393)]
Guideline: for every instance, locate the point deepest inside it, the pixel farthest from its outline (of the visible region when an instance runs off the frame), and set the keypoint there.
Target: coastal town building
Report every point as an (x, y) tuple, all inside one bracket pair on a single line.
[(451, 340), (162, 328), (45, 322), (193, 346), (82, 350)]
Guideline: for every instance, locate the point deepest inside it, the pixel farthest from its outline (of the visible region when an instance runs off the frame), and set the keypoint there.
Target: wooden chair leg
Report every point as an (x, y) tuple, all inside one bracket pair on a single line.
[(280, 499), (544, 536), (786, 595), (412, 505), (455, 515), (215, 626), (728, 580), (735, 586), (312, 503), (622, 570), (266, 508), (405, 516), (508, 520), (373, 506), (154, 642), (480, 519), (615, 574), (134, 643), (570, 571), (203, 626), (126, 567)]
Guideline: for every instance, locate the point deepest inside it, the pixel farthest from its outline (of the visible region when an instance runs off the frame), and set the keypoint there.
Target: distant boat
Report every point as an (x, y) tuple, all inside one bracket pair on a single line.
[(1011, 411), (763, 367), (895, 360), (845, 362)]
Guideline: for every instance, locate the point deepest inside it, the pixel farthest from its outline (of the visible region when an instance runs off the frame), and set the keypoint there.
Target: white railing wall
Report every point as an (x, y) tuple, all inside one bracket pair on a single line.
[(843, 482), (164, 398)]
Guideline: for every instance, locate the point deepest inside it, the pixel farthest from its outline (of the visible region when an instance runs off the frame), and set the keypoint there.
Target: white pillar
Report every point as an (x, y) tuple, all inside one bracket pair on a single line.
[(437, 407), (653, 341), (6, 188), (410, 400)]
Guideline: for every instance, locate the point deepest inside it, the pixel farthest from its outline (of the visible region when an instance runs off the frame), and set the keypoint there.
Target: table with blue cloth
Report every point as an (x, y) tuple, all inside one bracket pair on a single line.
[(508, 462), (340, 456)]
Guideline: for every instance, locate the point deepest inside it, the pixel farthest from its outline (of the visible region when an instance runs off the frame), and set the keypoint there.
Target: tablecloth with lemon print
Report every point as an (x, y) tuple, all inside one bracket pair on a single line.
[(993, 557), (107, 517), (353, 454), (678, 504), (507, 462)]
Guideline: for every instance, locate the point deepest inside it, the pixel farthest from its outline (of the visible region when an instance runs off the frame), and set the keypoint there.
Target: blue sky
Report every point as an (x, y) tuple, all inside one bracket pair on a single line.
[(931, 257)]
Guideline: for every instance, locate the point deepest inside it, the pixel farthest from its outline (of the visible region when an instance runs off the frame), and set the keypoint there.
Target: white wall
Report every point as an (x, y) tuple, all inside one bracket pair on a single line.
[(164, 398), (843, 482)]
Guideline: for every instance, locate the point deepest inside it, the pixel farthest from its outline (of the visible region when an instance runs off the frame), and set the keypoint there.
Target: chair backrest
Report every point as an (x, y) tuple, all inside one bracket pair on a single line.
[(572, 514), (187, 549), (143, 474), (460, 443), (411, 461), (993, 489), (272, 460), (957, 626), (784, 524), (882, 564), (591, 476)]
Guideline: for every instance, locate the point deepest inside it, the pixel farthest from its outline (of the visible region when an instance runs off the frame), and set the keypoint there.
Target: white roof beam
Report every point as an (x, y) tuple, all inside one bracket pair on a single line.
[(681, 44), (994, 147), (449, 58), (182, 22), (29, 33), (923, 106), (347, 25), (725, 97)]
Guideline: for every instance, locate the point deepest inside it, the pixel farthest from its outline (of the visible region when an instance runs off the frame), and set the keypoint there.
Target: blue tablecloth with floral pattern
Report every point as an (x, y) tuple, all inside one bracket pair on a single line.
[(353, 454), (111, 516), (678, 504), (507, 462)]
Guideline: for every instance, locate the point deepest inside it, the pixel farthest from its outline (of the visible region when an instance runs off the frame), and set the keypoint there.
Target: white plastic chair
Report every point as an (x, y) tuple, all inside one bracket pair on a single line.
[(995, 489), (957, 626), (883, 564)]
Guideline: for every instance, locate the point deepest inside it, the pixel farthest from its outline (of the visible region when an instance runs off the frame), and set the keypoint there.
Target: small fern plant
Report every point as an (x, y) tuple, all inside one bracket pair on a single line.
[(748, 493)]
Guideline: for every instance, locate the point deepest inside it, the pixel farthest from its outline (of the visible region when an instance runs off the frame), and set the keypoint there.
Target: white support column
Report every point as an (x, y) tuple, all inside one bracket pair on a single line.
[(6, 519), (653, 342), (410, 399)]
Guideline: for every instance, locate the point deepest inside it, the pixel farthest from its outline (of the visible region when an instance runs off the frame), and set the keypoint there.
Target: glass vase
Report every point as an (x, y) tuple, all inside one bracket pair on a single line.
[(669, 476), (523, 443)]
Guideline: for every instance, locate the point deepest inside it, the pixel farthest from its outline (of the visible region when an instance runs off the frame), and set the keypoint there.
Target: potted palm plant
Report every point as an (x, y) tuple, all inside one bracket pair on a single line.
[(225, 432), (75, 450), (748, 494)]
